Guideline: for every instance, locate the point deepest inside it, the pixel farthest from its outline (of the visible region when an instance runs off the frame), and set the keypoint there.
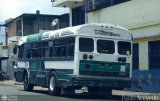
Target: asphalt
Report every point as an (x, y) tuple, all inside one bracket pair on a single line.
[(12, 83), (12, 89)]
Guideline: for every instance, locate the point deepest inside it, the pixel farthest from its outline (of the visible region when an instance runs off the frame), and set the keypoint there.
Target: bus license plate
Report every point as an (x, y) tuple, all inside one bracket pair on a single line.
[(123, 68)]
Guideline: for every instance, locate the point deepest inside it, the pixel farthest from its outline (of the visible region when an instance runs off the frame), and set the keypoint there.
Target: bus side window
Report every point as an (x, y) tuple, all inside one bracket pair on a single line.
[(36, 50), (60, 48), (71, 47), (19, 51), (71, 50), (47, 49), (29, 53)]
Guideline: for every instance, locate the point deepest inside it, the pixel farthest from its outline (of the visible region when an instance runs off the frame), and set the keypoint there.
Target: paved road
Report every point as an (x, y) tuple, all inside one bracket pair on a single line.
[(16, 93)]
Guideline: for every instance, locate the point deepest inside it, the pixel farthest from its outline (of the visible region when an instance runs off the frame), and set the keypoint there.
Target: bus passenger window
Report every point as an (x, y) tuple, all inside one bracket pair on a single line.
[(46, 49), (61, 51), (45, 52), (71, 47), (29, 53), (86, 45), (124, 48), (36, 53), (60, 48), (19, 51), (36, 50), (105, 46), (71, 50)]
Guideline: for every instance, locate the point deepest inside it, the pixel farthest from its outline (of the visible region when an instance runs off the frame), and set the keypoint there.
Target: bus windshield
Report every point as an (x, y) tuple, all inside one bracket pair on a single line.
[(105, 46), (124, 48), (86, 45)]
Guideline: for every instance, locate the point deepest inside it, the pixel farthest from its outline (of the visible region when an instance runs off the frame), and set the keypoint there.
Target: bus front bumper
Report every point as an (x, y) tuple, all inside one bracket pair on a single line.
[(93, 81)]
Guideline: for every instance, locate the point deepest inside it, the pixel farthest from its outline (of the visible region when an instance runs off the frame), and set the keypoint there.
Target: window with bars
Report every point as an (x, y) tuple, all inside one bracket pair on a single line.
[(93, 5), (135, 56), (154, 54)]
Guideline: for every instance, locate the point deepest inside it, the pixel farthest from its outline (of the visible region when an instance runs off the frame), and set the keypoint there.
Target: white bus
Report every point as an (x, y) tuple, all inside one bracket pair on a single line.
[(96, 56)]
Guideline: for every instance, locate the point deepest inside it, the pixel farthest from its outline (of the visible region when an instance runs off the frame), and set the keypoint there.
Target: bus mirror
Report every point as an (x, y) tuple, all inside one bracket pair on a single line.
[(128, 53), (15, 49)]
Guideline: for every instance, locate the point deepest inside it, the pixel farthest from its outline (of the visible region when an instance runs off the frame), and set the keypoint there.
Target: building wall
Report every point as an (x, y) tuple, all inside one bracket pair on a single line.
[(10, 60), (143, 55), (64, 20), (78, 16), (129, 14), (139, 16), (142, 17), (27, 26)]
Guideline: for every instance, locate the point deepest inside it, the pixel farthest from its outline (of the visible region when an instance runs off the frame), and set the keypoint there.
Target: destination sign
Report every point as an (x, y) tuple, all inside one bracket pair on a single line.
[(106, 33)]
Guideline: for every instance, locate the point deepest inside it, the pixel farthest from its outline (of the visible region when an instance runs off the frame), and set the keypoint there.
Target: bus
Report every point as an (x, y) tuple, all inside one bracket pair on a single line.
[(96, 56)]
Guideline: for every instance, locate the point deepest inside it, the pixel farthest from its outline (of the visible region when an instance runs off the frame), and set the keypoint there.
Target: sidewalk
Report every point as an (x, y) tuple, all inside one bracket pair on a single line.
[(9, 83), (18, 85)]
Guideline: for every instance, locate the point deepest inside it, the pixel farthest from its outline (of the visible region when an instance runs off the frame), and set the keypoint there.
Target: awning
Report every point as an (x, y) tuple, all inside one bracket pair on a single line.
[(144, 36)]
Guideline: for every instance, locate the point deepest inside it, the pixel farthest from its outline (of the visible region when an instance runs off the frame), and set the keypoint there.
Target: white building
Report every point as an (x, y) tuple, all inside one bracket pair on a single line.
[(142, 18), (76, 8)]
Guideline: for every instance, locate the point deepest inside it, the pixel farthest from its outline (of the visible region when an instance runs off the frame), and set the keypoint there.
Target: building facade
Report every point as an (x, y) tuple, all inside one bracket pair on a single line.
[(3, 57), (27, 24), (142, 18), (77, 10)]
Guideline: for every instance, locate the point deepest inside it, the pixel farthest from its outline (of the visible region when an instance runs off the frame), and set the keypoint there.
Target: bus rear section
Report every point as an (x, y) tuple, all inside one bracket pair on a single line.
[(103, 64), (103, 61)]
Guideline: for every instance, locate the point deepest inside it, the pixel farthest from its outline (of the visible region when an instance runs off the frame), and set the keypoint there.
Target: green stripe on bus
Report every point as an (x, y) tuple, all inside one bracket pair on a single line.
[(103, 66)]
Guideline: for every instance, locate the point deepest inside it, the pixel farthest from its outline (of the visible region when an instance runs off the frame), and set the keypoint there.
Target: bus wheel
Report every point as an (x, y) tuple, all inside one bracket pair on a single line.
[(52, 85), (27, 86)]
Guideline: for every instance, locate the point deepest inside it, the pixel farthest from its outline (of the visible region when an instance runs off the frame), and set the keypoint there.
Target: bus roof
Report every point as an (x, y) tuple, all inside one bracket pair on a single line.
[(93, 30)]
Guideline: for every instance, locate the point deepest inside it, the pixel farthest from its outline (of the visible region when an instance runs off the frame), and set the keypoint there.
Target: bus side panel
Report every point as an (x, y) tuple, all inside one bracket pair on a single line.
[(63, 70), (37, 72)]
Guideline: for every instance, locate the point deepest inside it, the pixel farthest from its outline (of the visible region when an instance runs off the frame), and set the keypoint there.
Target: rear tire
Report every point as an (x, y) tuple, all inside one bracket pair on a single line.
[(53, 89), (27, 85)]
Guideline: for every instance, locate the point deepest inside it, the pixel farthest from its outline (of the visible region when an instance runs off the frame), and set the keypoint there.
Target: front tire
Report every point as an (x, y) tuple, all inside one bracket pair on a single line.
[(53, 89), (27, 85)]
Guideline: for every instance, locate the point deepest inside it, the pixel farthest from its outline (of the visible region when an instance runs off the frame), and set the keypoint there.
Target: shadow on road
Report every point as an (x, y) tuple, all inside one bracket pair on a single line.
[(88, 97), (83, 96)]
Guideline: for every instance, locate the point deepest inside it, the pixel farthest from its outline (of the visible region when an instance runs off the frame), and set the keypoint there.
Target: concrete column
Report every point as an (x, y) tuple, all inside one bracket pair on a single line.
[(143, 55), (70, 17)]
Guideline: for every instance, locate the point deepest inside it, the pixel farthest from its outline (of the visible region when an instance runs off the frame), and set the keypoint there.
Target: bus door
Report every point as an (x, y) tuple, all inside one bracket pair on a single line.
[(36, 64)]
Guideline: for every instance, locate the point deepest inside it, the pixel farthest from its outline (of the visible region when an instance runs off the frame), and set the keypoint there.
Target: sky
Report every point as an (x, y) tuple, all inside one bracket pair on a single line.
[(14, 8)]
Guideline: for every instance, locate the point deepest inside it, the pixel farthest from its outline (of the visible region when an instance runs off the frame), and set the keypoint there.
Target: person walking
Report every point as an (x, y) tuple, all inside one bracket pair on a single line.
[(15, 71)]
